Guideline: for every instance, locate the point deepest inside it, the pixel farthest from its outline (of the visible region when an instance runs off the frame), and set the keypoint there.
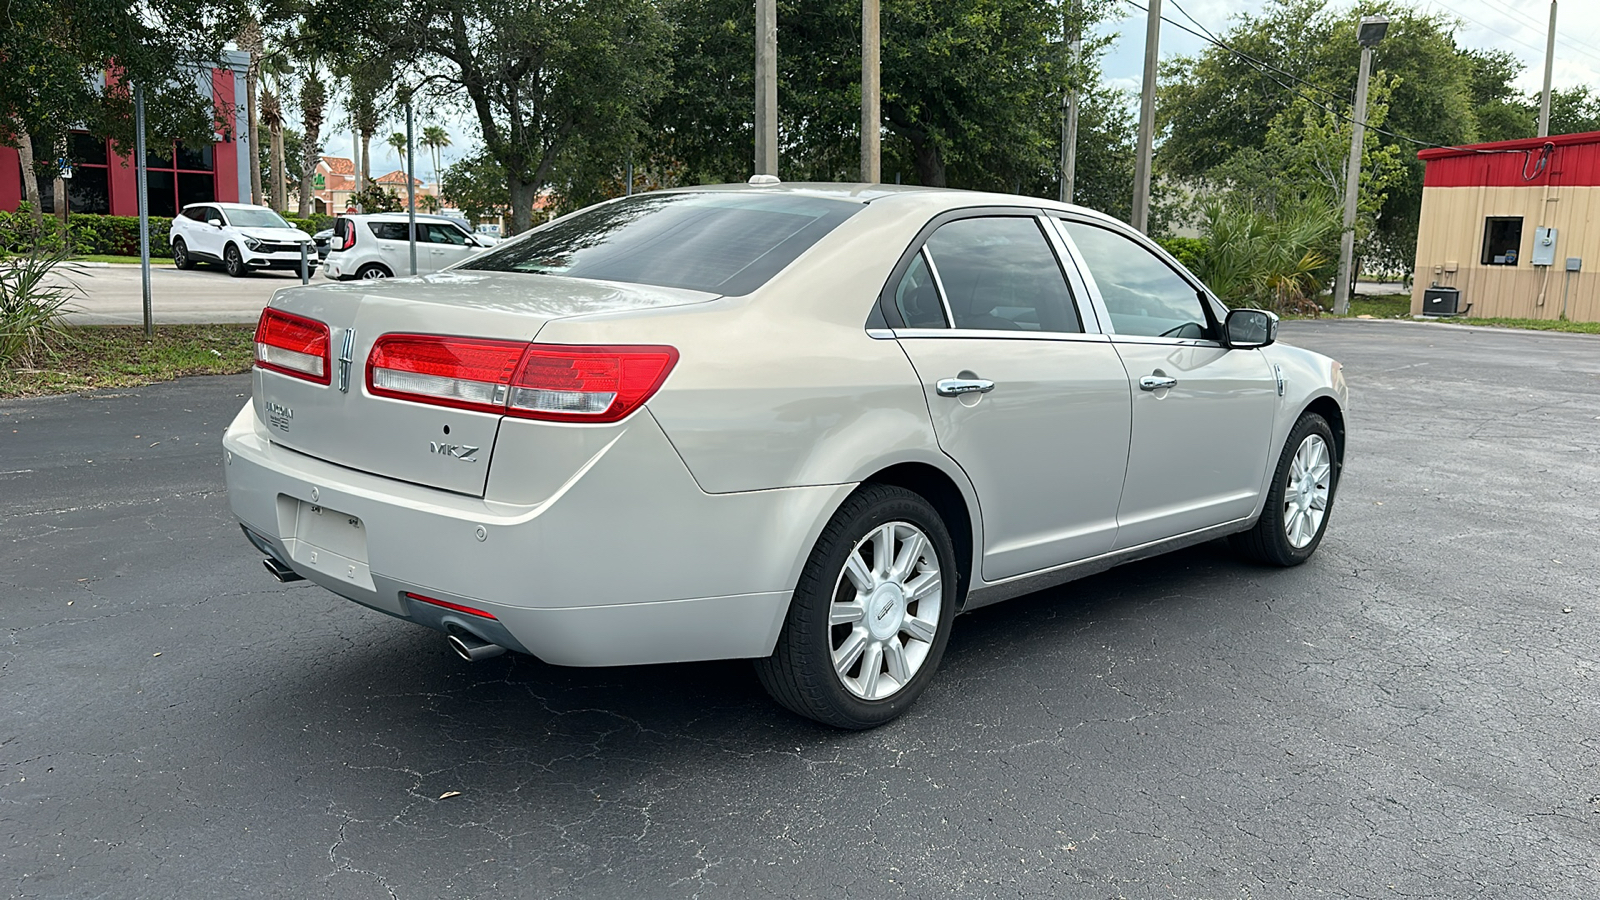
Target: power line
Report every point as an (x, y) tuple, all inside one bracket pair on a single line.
[(1582, 47), (1245, 56)]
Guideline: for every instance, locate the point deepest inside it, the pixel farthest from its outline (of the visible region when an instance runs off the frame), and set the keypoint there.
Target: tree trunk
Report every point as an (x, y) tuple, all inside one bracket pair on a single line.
[(366, 161), (255, 128), (30, 175), (62, 201), (930, 163), (523, 194), (280, 198)]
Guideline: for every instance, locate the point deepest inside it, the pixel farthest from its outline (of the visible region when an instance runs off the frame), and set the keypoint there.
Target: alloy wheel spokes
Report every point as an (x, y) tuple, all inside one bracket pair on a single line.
[(1306, 491), (885, 611)]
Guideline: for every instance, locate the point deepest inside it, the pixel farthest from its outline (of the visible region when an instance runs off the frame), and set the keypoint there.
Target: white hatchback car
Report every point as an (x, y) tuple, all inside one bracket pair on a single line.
[(240, 236), (804, 424), (377, 245)]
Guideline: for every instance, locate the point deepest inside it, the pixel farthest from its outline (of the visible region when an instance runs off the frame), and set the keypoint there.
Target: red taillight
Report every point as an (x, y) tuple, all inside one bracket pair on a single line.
[(446, 604), (552, 382), (293, 345)]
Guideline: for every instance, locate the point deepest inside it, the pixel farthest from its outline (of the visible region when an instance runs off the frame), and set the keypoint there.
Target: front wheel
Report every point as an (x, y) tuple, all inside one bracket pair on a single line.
[(871, 615), (234, 261), (1296, 513), (180, 254)]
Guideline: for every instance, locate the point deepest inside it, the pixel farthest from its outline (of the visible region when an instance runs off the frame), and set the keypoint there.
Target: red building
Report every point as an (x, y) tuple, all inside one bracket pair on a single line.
[(106, 182)]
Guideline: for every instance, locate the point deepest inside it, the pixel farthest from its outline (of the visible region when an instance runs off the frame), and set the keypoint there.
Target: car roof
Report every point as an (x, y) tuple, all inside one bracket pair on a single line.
[(400, 217)]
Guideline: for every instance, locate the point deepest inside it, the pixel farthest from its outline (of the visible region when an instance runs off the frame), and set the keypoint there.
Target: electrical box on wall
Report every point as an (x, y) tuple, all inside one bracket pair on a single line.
[(1544, 246), (1574, 264)]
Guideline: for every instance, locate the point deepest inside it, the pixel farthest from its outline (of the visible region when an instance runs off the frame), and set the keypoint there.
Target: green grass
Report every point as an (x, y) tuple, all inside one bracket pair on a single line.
[(1381, 306), (1398, 306), (1535, 324), (122, 260), (89, 357)]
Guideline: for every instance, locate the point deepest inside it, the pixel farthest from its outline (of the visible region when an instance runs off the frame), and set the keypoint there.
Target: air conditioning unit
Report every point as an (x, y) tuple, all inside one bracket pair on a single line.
[(1441, 301)]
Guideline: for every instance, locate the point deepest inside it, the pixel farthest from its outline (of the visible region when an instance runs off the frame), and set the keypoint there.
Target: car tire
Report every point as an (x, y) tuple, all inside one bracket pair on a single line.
[(233, 260), (372, 272), (1301, 499), (846, 618), (180, 255)]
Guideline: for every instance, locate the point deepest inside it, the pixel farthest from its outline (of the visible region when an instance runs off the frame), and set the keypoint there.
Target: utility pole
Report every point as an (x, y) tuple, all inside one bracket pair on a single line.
[(766, 87), (1372, 31), (1147, 121), (1549, 66), (1069, 123), (871, 137)]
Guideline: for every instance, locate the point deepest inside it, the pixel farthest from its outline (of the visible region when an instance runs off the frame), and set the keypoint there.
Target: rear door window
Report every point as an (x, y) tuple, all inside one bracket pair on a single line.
[(999, 274), (724, 242), (388, 231)]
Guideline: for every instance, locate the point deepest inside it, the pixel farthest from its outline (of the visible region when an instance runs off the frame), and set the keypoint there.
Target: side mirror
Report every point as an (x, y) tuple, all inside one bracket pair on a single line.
[(1250, 328)]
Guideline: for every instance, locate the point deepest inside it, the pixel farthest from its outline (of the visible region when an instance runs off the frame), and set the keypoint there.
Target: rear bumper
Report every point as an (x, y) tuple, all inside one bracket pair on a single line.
[(627, 562)]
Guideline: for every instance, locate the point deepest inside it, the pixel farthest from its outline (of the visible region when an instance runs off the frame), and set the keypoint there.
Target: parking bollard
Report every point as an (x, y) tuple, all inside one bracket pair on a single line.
[(305, 271)]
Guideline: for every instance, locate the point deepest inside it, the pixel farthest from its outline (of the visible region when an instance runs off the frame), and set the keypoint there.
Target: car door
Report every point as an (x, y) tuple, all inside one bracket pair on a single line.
[(394, 249), (447, 245), (1202, 413), (208, 233), (1024, 394)]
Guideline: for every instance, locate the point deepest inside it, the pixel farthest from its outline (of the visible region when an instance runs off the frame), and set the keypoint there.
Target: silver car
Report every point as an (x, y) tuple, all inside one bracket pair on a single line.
[(802, 424)]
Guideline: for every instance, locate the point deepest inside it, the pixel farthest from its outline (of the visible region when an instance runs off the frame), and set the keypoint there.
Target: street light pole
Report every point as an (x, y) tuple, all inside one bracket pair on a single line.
[(1147, 121), (1549, 66), (411, 184), (1372, 31), (871, 138)]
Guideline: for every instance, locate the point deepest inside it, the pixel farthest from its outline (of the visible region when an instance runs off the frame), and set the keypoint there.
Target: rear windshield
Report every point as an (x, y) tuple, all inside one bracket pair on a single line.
[(720, 243)]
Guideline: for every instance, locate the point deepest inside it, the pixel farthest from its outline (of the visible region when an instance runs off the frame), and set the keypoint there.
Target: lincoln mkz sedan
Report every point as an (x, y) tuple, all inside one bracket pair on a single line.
[(802, 424)]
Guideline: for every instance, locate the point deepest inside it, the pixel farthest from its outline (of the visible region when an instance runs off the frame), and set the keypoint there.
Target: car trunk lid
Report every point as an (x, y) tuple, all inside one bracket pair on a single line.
[(439, 446)]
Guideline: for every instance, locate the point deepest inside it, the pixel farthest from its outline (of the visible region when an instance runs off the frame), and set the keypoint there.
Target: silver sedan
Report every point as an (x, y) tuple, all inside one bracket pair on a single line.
[(802, 424)]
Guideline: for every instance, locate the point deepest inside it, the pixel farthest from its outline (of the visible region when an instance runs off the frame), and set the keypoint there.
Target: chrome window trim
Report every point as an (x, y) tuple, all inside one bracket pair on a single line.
[(988, 334), (1077, 286), (1171, 342), (938, 285)]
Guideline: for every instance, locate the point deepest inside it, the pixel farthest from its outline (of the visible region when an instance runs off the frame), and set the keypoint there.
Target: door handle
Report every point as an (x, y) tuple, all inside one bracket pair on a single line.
[(955, 387), (1156, 382)]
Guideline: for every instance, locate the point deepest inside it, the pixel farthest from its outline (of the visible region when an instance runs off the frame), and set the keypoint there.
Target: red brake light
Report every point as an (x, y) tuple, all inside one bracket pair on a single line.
[(551, 382), (294, 345), (446, 604)]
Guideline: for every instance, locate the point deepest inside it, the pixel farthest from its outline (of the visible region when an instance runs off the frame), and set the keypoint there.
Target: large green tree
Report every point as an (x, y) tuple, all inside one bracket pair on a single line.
[(55, 56), (971, 92), (1219, 104), (542, 76)]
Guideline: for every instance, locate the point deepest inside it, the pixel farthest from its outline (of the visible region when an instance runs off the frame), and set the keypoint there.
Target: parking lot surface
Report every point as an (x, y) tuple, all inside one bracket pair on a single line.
[(1411, 714), (114, 294)]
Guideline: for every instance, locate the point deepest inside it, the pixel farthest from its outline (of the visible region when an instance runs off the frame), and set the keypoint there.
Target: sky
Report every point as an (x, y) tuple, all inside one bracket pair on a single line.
[(1516, 26)]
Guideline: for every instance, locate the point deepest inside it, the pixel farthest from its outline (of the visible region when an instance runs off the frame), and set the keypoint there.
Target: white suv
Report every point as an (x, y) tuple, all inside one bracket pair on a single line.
[(377, 245), (240, 236)]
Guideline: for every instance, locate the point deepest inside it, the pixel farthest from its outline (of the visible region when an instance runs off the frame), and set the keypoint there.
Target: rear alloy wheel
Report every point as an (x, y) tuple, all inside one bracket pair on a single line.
[(234, 261), (180, 254), (372, 272), (871, 615), (1296, 513)]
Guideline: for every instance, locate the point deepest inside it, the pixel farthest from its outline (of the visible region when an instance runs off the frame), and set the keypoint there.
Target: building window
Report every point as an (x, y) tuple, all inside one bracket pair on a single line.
[(1502, 235), (179, 175), (89, 189)]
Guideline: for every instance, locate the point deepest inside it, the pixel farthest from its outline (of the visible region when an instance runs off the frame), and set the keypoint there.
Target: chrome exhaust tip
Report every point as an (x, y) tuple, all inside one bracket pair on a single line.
[(473, 649), (283, 573)]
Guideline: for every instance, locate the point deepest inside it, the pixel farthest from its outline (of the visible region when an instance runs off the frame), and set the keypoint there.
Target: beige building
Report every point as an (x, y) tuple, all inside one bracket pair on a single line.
[(1514, 226)]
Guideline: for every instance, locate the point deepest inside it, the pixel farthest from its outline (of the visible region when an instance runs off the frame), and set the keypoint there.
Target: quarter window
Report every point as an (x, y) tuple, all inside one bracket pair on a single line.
[(917, 297), (999, 273), (1143, 294), (388, 231), (1502, 238)]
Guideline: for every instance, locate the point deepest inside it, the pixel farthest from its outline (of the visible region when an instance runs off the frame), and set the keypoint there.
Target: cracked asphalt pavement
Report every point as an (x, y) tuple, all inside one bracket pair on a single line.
[(1411, 714)]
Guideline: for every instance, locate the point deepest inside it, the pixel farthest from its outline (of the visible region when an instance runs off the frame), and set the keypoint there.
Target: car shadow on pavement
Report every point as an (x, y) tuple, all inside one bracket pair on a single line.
[(1058, 646)]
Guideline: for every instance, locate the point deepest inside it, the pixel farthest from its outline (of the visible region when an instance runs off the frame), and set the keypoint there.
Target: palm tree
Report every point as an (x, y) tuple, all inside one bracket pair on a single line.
[(276, 67), (397, 142), (313, 103), (249, 40), (435, 138)]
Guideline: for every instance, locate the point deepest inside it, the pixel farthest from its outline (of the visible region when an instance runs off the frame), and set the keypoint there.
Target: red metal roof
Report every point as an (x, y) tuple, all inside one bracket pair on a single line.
[(1572, 160)]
